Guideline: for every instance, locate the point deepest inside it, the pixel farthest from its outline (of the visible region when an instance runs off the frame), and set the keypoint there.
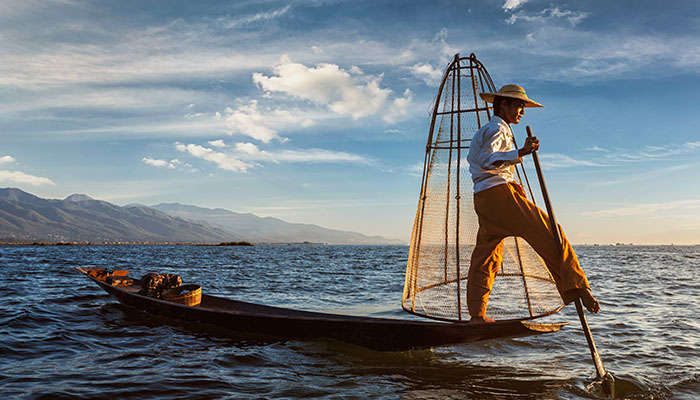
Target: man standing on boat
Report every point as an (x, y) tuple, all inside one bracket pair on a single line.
[(504, 210)]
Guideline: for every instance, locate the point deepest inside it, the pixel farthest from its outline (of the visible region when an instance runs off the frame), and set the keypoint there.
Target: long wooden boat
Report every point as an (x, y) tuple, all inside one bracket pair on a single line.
[(384, 334)]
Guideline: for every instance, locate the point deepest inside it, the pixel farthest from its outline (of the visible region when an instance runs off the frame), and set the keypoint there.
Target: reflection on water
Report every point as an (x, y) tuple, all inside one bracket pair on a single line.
[(61, 336)]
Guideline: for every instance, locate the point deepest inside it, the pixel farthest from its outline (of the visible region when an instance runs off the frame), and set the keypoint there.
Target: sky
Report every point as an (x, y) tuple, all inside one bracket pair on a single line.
[(318, 111)]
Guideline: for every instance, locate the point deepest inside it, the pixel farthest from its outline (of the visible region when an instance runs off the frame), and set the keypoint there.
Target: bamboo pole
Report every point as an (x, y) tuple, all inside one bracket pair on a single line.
[(458, 214), (601, 372)]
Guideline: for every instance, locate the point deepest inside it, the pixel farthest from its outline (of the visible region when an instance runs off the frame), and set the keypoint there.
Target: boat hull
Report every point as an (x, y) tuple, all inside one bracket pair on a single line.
[(382, 334)]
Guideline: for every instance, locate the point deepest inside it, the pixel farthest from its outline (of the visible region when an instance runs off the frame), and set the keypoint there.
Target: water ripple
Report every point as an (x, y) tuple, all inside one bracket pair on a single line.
[(57, 327)]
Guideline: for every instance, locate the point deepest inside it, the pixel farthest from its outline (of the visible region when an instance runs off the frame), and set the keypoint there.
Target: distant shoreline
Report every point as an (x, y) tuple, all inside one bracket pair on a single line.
[(222, 244), (124, 244), (304, 243)]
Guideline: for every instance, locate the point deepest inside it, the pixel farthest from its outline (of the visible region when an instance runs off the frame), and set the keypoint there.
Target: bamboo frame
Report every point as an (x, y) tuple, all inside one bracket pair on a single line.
[(450, 246)]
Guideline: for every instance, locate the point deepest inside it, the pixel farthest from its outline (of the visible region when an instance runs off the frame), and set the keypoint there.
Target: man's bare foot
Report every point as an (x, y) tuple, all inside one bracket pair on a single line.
[(589, 301), (481, 319)]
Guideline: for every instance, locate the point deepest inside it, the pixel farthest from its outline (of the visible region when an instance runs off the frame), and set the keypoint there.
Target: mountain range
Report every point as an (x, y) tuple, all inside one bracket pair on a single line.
[(252, 228), (25, 217)]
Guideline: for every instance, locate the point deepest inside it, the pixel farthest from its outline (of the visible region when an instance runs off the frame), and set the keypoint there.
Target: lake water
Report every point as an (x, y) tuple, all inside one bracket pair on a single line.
[(61, 336)]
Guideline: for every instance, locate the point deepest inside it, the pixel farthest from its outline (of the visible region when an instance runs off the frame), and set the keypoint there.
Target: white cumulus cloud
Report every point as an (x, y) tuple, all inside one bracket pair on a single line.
[(6, 159), (251, 149), (217, 143), (512, 4), (327, 85), (285, 117), (264, 123), (158, 163), (427, 73), (248, 121), (20, 177), (401, 107)]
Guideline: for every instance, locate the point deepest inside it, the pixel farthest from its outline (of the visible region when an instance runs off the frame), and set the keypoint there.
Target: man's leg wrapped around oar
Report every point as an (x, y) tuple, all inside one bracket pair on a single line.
[(503, 211)]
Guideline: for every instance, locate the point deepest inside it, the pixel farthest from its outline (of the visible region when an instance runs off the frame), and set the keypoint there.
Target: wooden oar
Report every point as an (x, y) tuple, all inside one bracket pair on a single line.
[(600, 368)]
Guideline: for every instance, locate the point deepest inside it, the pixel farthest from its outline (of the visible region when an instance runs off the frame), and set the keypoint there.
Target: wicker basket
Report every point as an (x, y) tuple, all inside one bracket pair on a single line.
[(189, 295)]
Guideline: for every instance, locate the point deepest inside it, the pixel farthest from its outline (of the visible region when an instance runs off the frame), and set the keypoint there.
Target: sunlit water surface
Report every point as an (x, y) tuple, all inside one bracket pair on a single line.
[(61, 336)]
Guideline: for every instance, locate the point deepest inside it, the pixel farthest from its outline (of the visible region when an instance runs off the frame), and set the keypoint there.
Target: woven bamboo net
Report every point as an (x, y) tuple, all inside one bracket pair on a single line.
[(445, 228)]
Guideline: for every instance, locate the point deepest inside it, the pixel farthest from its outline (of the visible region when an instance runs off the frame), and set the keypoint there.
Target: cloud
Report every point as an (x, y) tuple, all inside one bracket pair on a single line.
[(117, 108), (252, 152), (512, 4), (182, 49), (343, 92), (415, 169), (246, 155), (400, 108), (604, 157), (664, 151), (320, 156), (445, 50), (217, 143), (648, 152), (158, 163), (596, 148), (327, 85), (196, 49), (264, 124), (69, 65), (553, 160), (222, 160), (584, 56), (172, 164), (231, 23), (551, 13), (647, 208), (102, 49), (427, 73), (530, 38), (248, 121), (288, 118), (149, 129), (20, 177)]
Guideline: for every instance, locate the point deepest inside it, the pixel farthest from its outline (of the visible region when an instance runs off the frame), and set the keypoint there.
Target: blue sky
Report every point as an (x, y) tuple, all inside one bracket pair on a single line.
[(317, 111)]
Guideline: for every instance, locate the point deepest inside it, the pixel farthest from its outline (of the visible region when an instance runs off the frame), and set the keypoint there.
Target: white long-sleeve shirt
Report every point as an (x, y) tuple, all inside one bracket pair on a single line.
[(491, 144)]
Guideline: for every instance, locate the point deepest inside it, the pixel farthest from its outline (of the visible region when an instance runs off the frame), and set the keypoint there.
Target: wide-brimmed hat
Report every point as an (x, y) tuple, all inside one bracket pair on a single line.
[(513, 92)]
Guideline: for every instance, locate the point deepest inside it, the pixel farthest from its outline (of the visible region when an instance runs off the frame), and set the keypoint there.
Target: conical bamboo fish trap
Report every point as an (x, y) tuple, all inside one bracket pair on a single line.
[(445, 228)]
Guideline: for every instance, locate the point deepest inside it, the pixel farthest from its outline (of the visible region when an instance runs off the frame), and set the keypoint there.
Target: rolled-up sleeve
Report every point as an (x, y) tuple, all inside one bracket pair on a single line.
[(491, 155), (495, 153)]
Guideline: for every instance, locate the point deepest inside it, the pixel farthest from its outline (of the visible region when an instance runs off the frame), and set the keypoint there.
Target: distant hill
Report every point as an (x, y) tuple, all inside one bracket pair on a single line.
[(79, 218), (268, 229)]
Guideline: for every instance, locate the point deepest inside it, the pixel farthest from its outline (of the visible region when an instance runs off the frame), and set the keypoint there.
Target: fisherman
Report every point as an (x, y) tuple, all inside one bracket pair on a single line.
[(504, 210)]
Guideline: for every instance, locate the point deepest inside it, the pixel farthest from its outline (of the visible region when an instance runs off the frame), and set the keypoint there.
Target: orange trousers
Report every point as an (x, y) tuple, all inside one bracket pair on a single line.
[(504, 211)]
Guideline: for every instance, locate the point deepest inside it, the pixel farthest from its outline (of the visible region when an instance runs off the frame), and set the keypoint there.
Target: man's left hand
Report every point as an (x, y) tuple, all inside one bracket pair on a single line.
[(531, 145)]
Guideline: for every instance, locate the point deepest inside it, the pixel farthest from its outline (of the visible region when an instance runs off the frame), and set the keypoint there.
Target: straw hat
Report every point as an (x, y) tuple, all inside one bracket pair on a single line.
[(512, 91)]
